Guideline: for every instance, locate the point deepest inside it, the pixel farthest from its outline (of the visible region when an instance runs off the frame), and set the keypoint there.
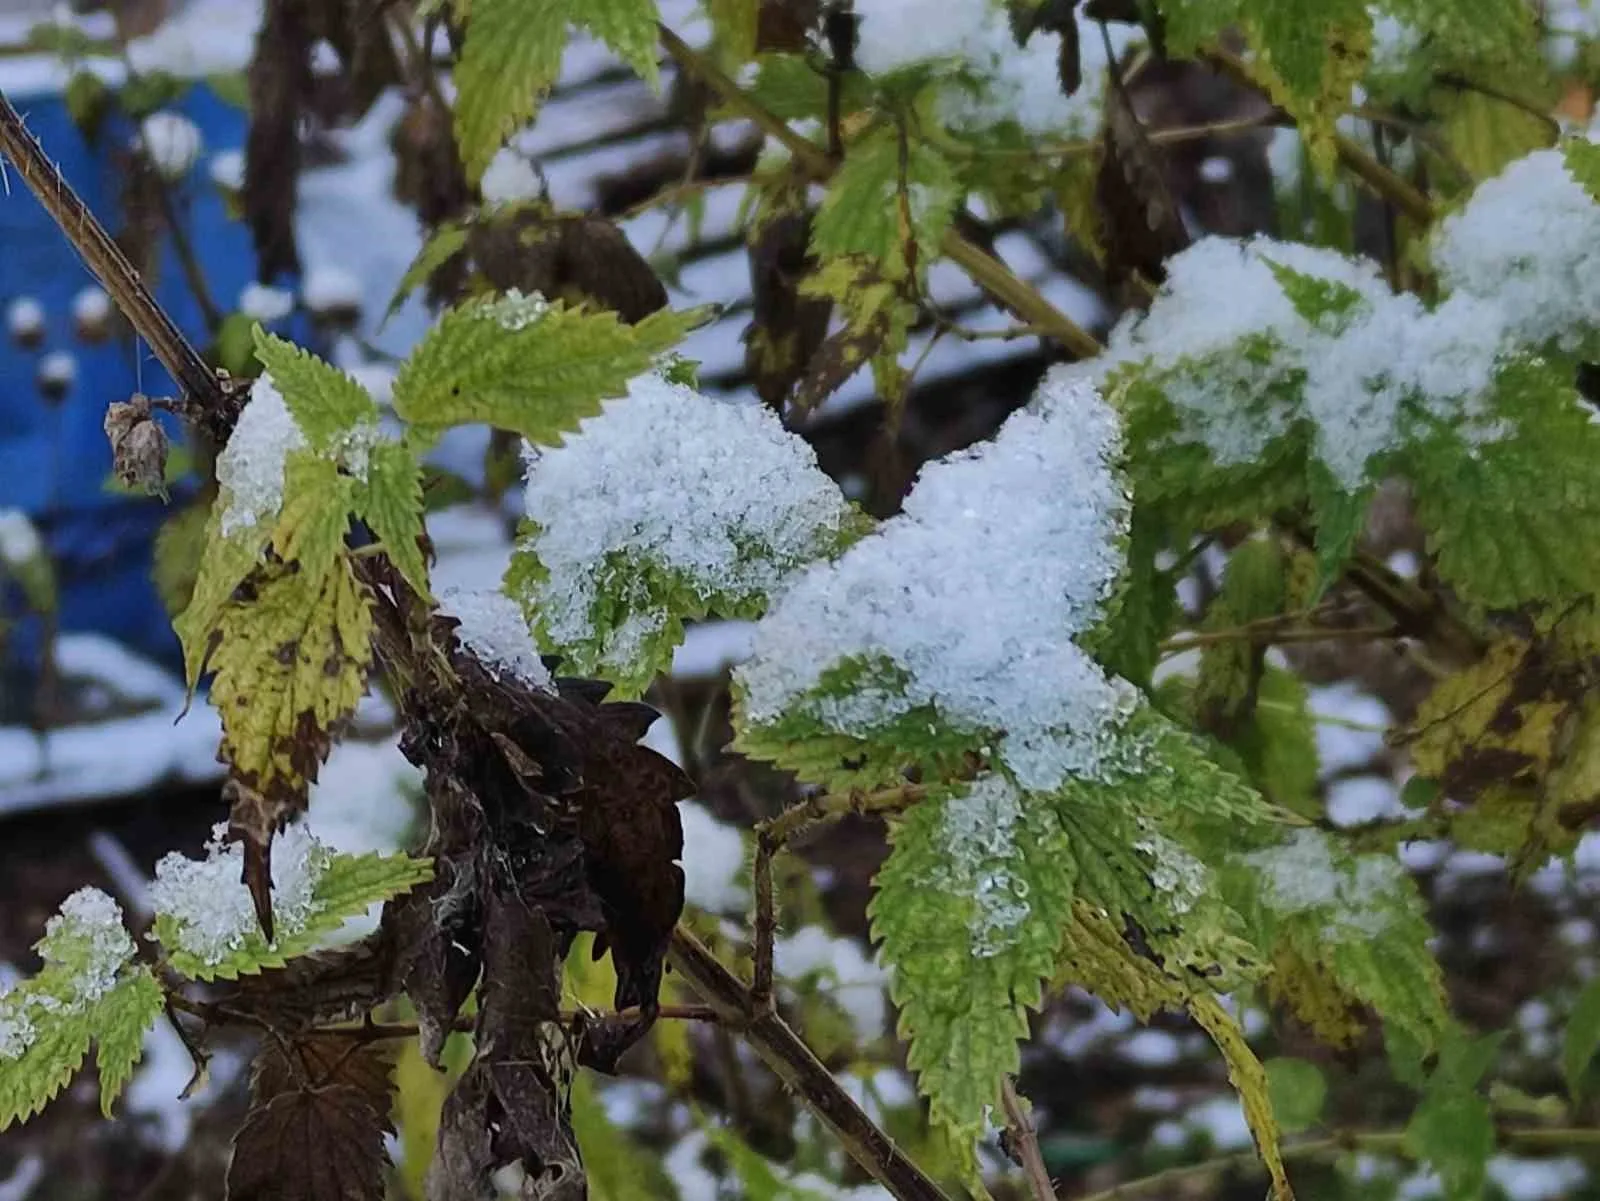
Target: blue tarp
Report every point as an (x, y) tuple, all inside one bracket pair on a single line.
[(54, 458)]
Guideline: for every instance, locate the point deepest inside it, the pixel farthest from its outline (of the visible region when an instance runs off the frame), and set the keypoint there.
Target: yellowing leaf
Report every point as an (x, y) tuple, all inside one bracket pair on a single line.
[(1249, 1078), (291, 663)]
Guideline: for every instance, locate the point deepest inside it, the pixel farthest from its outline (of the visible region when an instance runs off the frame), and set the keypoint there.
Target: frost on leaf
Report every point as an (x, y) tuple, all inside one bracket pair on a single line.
[(1529, 240), (250, 467), (958, 615), (493, 628), (666, 507), (987, 79), (1358, 917), (89, 991), (968, 911), (206, 918)]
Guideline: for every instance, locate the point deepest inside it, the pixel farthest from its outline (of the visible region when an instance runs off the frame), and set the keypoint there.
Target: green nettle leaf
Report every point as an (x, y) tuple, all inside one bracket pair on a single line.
[(315, 516), (803, 741), (1298, 1090), (447, 241), (1503, 517), (881, 181), (508, 63), (1250, 1080), (390, 501), (969, 909), (1453, 1133), (1278, 744), (1583, 160), (347, 887), (523, 365), (1127, 642), (328, 405), (33, 1079), (512, 56), (120, 1020), (88, 992), (1583, 1038), (1358, 918), (1340, 517), (224, 564), (789, 86), (1230, 671), (1308, 66), (628, 27)]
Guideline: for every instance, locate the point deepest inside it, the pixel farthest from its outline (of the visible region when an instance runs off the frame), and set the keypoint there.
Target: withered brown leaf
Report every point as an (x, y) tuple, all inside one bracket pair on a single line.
[(310, 1144), (281, 82), (511, 1105), (1139, 220), (786, 328), (567, 256)]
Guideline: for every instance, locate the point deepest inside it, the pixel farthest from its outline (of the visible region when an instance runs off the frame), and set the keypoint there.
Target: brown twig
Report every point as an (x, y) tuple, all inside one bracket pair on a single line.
[(1025, 1143), (793, 1062), (1274, 632), (201, 387)]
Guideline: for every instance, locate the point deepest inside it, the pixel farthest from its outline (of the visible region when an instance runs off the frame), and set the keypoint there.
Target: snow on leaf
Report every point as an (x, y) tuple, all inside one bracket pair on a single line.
[(291, 662), (666, 507), (1526, 240), (205, 917), (250, 468), (490, 360), (968, 910), (985, 78), (1358, 916), (966, 603), (494, 629), (89, 990)]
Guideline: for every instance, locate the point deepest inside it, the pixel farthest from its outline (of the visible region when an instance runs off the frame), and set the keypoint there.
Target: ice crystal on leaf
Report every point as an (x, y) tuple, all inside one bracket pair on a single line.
[(87, 938), (1307, 336), (972, 597), (999, 80), (212, 909), (1529, 241), (668, 505), (494, 629), (250, 468)]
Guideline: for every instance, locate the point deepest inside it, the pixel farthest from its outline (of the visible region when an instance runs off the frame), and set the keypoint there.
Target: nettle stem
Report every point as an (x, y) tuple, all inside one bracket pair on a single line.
[(202, 389)]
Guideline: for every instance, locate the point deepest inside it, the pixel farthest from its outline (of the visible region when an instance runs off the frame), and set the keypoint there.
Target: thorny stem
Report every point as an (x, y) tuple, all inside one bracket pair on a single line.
[(993, 276), (1168, 1182), (1025, 1143), (765, 930), (792, 1061), (772, 836), (831, 806), (110, 266), (1357, 161)]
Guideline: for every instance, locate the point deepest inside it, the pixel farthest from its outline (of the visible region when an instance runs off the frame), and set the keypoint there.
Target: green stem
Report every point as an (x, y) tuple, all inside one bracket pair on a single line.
[(1392, 187)]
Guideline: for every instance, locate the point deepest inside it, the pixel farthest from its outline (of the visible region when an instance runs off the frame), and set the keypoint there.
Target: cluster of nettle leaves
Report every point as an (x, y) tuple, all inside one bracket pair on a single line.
[(1157, 886)]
